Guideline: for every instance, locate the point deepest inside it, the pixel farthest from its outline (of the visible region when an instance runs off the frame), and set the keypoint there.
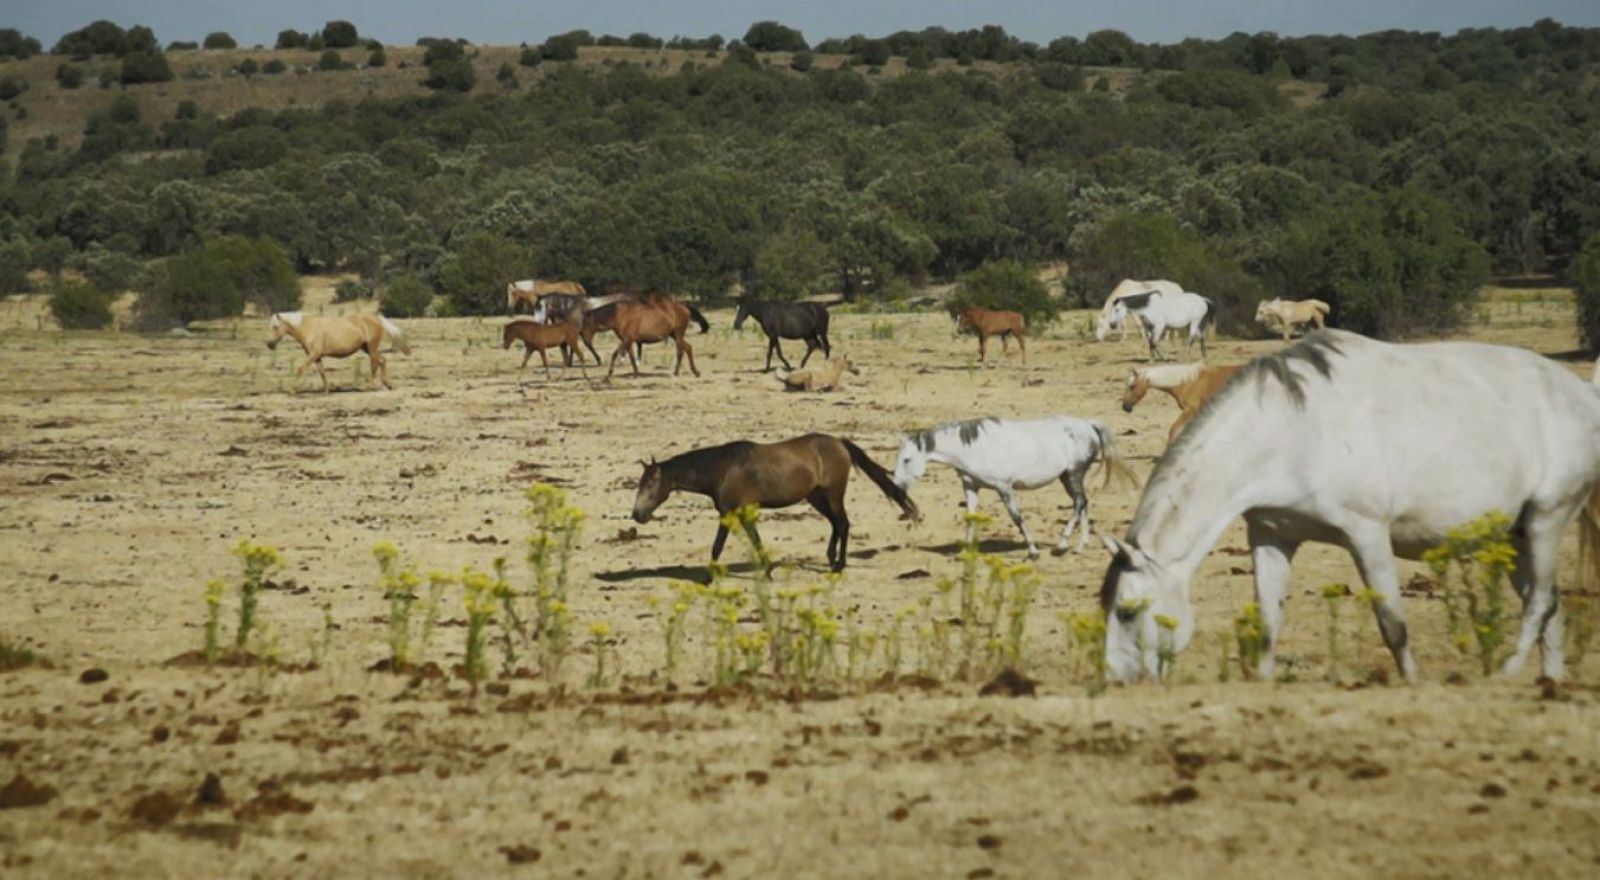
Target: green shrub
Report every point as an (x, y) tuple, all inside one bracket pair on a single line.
[(350, 290), (530, 57), (378, 58), (1008, 285), (15, 258), (219, 40), (80, 306), (801, 61), (291, 39), (340, 34), (407, 297), (330, 60), (274, 67), (217, 281), (560, 49), (143, 67), (456, 75), (110, 270), (248, 67), (474, 277), (12, 86), (507, 75), (69, 76)]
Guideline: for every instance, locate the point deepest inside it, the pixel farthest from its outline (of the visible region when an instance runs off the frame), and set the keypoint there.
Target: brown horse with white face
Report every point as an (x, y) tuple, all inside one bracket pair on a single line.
[(659, 319), (1190, 385), (337, 337), (990, 322), (814, 468)]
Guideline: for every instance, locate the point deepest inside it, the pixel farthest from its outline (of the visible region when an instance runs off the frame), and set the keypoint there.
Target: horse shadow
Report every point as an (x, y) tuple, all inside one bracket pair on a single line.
[(701, 575), (988, 545)]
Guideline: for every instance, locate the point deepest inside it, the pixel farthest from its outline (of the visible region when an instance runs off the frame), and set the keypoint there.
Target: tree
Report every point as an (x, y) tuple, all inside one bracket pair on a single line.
[(97, 38), (217, 281), (79, 306), (143, 67), (291, 39), (407, 297), (70, 76), (474, 277), (456, 75), (254, 147), (219, 40), (377, 58), (13, 44), (1584, 274), (770, 36), (790, 265), (560, 49), (1391, 264), (874, 53), (340, 35), (14, 262)]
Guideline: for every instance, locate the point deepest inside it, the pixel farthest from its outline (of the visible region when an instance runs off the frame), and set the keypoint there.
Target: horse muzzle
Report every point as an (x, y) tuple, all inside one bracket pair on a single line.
[(272, 344), (641, 516), (1127, 407)]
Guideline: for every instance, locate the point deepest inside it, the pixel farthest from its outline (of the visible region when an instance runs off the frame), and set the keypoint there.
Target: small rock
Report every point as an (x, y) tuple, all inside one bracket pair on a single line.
[(988, 841), (1492, 790), (210, 793), (93, 676), (521, 854)]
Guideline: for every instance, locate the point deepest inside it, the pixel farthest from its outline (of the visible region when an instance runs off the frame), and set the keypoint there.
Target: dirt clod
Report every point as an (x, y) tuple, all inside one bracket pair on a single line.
[(93, 676), (1009, 683), (210, 792), (155, 809), (22, 792), (522, 854)]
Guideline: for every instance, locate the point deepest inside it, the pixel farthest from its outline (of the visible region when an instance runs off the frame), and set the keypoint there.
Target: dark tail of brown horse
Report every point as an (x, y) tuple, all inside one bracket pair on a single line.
[(705, 326), (882, 478)]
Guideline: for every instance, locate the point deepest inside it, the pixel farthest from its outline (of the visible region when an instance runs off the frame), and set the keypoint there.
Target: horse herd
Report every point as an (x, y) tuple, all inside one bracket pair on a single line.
[(1374, 447)]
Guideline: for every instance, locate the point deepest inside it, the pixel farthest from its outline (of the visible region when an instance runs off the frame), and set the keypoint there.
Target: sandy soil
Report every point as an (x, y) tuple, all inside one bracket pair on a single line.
[(129, 466)]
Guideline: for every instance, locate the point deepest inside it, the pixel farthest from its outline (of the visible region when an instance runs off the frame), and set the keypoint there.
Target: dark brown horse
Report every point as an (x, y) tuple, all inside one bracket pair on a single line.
[(989, 322), (814, 468), (659, 319), (535, 336)]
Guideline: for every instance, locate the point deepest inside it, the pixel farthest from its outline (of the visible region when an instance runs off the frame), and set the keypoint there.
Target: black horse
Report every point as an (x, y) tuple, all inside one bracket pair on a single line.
[(808, 321)]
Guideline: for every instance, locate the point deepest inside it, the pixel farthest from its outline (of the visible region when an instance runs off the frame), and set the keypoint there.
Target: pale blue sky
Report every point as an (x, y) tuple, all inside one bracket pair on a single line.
[(505, 21)]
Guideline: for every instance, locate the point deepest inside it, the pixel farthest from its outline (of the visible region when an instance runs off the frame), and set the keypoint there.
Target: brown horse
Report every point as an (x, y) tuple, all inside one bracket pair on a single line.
[(660, 319), (336, 337), (538, 337), (530, 290), (989, 322), (1191, 385), (814, 468)]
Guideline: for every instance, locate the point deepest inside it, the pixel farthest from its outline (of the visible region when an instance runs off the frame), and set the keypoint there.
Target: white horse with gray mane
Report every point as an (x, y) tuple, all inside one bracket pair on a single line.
[(1125, 288), (1006, 456), (1159, 312), (1376, 448)]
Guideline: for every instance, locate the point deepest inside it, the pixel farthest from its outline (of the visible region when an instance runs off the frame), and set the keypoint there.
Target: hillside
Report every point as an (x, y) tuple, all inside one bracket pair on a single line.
[(208, 78)]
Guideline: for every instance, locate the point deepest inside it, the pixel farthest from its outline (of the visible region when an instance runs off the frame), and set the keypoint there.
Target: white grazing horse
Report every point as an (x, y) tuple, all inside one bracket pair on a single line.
[(1159, 312), (1006, 455), (1104, 323), (1376, 448)]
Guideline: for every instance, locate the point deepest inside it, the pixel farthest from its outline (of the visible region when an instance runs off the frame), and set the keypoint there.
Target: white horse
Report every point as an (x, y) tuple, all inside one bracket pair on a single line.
[(1159, 312), (1104, 323), (1376, 448), (1006, 456)]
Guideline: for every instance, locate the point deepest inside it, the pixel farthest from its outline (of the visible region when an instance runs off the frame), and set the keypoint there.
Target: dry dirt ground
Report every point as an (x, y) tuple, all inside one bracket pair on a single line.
[(129, 466)]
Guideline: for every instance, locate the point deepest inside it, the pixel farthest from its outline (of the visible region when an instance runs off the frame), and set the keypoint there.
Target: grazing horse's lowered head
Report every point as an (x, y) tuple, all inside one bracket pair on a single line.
[(652, 491), (1136, 593)]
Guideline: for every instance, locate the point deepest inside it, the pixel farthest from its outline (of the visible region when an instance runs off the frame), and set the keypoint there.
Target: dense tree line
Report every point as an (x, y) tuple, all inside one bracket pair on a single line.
[(1431, 161)]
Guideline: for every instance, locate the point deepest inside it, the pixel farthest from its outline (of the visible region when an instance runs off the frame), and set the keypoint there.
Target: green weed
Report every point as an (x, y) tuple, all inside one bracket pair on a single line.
[(1475, 601)]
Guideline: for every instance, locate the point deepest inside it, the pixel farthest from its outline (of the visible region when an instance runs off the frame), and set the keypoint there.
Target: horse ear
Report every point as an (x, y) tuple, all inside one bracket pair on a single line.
[(1122, 550)]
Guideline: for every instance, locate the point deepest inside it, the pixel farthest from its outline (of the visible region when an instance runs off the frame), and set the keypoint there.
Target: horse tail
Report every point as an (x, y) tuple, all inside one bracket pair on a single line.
[(1210, 317), (1111, 462), (705, 326), (883, 479), (399, 335), (1320, 306)]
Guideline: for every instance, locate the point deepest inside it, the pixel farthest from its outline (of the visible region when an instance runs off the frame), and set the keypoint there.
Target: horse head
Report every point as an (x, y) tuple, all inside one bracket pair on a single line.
[(279, 329), (1106, 322), (912, 461), (1138, 386), (652, 491), (1146, 612), (1265, 309), (739, 314)]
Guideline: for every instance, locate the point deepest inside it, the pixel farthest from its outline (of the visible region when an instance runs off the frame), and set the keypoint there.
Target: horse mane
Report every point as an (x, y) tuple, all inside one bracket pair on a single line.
[(967, 431), (1171, 375), (698, 459), (293, 319), (1314, 349), (1137, 301), (521, 319)]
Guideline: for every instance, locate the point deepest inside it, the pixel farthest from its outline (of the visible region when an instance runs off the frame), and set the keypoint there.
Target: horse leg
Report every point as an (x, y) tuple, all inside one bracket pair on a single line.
[(545, 362), (1200, 330), (1273, 556), (1375, 558), (819, 502), (1534, 577), (983, 346), (811, 346), (380, 367), (631, 358), (621, 347), (317, 362), (970, 490), (718, 543), (822, 340), (1010, 498), (684, 348), (294, 387), (1022, 346), (1073, 482), (777, 347)]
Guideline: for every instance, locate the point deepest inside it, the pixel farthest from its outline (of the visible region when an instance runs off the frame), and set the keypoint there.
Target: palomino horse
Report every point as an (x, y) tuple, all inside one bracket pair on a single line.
[(1006, 456), (804, 320), (1292, 314), (656, 321), (814, 468), (337, 337), (1127, 287), (532, 290), (535, 336), (1190, 385), (989, 322), (828, 377), (1159, 312), (1380, 449)]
